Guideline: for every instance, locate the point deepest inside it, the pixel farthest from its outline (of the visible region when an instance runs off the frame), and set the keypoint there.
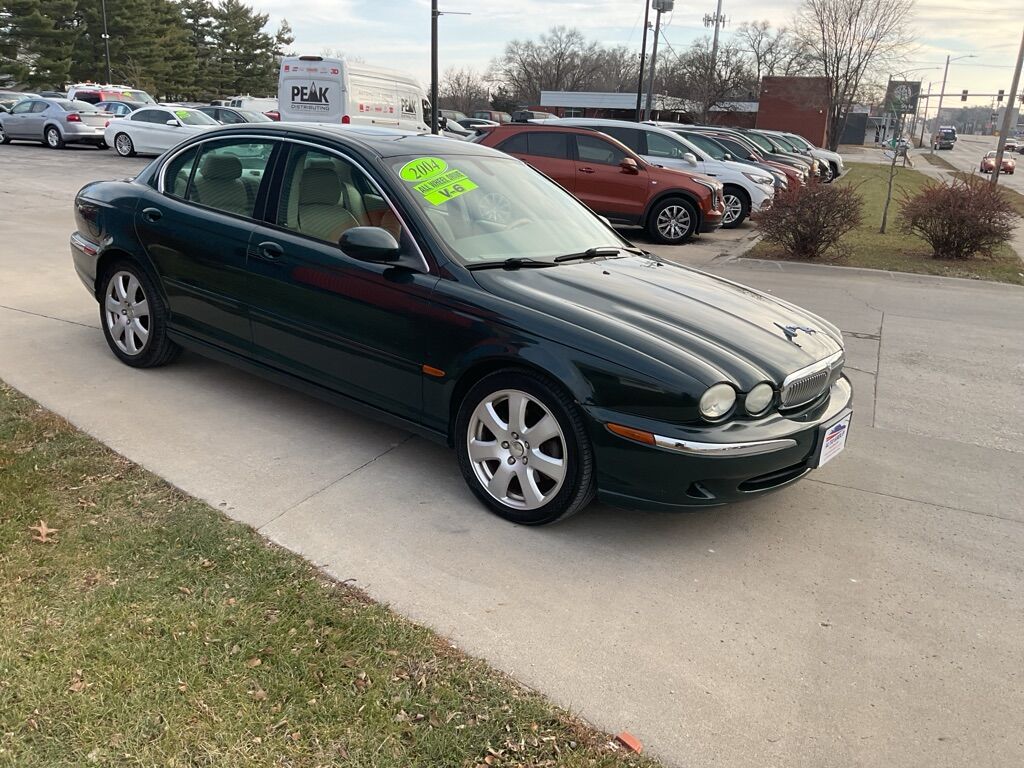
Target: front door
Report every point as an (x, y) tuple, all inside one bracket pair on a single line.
[(197, 229), (548, 151), (16, 123), (356, 327), (604, 185)]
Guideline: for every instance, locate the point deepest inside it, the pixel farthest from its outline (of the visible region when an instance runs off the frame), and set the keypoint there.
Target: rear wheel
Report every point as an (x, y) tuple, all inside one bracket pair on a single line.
[(672, 221), (124, 146), (52, 138), (134, 317), (523, 448), (737, 207), (4, 138)]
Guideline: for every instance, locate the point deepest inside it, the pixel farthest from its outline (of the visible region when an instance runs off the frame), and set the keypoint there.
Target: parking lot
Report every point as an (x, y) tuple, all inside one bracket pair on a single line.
[(868, 615)]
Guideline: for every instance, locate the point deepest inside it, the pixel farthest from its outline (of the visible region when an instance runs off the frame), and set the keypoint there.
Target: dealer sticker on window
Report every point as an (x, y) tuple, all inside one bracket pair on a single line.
[(834, 440), (433, 179)]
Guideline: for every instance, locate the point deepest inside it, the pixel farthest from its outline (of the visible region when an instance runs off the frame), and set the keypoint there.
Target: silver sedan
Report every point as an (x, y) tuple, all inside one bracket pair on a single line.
[(54, 122)]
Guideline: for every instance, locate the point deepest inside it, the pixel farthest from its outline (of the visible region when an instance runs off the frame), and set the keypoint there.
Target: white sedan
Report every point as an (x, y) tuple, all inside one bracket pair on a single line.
[(153, 130)]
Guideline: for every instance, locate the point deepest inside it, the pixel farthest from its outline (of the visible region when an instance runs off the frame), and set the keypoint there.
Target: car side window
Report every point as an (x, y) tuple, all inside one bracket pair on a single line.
[(149, 116), (663, 146), (178, 173), (549, 144), (22, 108), (592, 149), (39, 106), (516, 144), (323, 195), (631, 137), (228, 117), (228, 175)]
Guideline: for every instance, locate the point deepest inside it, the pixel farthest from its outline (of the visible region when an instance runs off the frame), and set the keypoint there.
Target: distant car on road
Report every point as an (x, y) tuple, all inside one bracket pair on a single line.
[(155, 129), (233, 116), (54, 122), (944, 138), (988, 163)]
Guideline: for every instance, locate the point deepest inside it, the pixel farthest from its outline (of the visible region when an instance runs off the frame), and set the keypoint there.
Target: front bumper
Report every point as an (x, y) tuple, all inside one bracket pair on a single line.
[(711, 222), (712, 465)]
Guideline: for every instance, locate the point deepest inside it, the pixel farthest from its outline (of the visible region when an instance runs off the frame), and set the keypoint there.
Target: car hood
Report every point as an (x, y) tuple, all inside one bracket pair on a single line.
[(826, 154), (709, 328)]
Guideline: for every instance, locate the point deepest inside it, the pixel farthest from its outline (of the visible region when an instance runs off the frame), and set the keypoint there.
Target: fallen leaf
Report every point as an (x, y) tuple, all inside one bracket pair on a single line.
[(185, 590), (43, 532), (182, 686), (296, 736), (259, 695), (255, 661), (77, 683)]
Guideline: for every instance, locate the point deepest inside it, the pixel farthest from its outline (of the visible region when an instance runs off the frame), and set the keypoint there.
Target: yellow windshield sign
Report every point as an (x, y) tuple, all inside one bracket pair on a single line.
[(433, 179)]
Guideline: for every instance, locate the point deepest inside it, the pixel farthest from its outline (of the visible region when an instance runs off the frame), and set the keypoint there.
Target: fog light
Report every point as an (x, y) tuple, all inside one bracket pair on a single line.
[(759, 398), (717, 401)]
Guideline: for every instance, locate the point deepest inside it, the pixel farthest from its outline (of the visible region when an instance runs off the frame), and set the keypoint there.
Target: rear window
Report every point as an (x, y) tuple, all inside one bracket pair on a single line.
[(516, 144), (76, 106)]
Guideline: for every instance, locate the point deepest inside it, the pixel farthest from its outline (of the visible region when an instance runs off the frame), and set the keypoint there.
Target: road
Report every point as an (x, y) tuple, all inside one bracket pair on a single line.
[(967, 153), (870, 615)]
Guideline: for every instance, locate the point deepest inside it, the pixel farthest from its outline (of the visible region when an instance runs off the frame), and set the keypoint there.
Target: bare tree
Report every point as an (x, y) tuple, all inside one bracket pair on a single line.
[(616, 70), (561, 60), (846, 39), (462, 89), (771, 52), (688, 77)]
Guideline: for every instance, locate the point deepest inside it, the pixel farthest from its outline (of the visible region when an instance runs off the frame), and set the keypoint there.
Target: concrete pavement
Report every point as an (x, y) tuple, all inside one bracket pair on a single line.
[(870, 615)]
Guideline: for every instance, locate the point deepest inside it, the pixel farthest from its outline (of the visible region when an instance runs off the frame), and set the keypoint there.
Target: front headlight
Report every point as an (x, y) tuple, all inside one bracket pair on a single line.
[(717, 401), (759, 179), (759, 398)]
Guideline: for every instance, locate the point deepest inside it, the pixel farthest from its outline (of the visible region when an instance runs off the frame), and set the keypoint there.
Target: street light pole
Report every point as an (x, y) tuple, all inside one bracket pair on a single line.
[(660, 6), (106, 39), (938, 112), (434, 13), (1008, 115), (643, 56)]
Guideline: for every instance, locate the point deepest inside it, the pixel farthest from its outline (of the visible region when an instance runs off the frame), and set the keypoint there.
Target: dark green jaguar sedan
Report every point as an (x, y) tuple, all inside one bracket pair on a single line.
[(454, 291)]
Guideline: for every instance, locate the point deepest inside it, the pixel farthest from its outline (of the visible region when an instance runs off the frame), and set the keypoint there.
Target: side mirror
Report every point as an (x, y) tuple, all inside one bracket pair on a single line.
[(173, 123), (727, 156), (628, 165), (690, 158), (369, 244)]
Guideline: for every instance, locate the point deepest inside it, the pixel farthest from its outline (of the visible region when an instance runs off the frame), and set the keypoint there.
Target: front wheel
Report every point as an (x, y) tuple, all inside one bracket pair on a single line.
[(124, 146), (53, 138), (523, 448), (828, 173), (672, 221), (737, 208), (4, 138), (134, 317)]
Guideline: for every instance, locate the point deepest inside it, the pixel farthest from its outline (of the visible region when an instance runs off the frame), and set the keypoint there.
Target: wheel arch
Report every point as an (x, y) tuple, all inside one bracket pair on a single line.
[(685, 194), (738, 188), (114, 254)]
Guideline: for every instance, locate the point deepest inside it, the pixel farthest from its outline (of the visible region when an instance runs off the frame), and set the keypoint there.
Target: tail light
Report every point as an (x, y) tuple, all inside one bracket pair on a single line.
[(345, 119), (73, 118), (106, 124)]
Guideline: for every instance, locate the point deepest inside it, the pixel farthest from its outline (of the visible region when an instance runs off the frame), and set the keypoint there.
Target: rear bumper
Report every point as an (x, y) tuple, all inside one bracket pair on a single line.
[(715, 465), (85, 134), (85, 254)]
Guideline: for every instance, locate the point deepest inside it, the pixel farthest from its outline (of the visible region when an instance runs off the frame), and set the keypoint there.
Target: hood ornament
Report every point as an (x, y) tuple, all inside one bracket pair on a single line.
[(792, 330)]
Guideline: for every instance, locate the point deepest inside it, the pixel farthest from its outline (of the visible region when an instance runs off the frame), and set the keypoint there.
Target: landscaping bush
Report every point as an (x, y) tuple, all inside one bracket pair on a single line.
[(809, 220), (960, 218)]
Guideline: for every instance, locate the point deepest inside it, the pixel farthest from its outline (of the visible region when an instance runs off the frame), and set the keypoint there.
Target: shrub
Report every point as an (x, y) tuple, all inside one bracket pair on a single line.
[(960, 218), (809, 220)]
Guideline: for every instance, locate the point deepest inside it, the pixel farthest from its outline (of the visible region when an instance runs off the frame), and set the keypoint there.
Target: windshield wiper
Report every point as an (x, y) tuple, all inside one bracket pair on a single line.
[(512, 263), (593, 253)]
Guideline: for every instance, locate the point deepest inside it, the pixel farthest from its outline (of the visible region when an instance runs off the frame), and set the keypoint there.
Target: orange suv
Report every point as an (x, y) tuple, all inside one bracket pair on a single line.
[(671, 205)]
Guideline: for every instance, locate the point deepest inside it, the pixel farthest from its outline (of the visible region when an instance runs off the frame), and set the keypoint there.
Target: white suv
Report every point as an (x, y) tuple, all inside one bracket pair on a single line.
[(94, 93), (747, 189)]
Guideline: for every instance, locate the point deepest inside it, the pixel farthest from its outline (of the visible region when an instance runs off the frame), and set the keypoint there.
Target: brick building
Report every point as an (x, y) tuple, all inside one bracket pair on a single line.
[(796, 104)]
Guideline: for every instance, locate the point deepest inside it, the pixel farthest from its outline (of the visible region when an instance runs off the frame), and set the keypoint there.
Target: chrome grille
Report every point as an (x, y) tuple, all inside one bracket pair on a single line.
[(805, 389)]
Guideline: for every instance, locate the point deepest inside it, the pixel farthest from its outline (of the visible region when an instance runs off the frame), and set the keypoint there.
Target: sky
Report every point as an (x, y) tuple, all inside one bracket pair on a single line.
[(396, 33)]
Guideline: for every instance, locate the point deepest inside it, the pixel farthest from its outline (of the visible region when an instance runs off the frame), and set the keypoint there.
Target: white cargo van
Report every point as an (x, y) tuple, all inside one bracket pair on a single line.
[(312, 89)]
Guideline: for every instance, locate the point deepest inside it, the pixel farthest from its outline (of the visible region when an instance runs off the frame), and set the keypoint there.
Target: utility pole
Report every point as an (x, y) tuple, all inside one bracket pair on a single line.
[(924, 117), (717, 19), (660, 6), (1008, 114), (106, 39), (643, 56), (434, 13)]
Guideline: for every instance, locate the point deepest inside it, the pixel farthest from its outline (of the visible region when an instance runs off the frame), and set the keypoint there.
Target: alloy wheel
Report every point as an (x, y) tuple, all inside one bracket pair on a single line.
[(673, 222), (517, 449), (733, 208), (52, 138), (829, 173), (123, 145), (127, 313)]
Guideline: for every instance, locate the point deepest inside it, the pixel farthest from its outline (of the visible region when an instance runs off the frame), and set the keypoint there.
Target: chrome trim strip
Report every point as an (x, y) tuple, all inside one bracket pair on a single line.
[(780, 485), (80, 243), (821, 365), (722, 450)]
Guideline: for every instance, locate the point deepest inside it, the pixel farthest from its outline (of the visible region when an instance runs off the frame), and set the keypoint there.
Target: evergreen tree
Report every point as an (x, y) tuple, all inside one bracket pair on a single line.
[(246, 53), (36, 41)]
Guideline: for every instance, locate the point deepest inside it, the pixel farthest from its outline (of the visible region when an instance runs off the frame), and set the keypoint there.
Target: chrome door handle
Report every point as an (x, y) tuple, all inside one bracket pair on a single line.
[(585, 170), (269, 251), (152, 214)]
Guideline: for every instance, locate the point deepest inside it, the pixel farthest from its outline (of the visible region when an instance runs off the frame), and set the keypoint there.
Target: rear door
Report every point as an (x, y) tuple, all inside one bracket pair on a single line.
[(196, 229), (550, 152), (604, 185)]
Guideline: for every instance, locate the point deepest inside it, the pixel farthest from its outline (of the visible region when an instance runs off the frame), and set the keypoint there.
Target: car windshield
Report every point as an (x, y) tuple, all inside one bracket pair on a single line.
[(787, 145), (991, 154), (140, 96), (760, 141), (488, 209), (254, 117), (192, 117), (709, 145), (798, 141)]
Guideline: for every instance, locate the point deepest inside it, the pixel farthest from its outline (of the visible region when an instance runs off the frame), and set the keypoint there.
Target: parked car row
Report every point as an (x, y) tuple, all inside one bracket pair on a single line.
[(444, 286)]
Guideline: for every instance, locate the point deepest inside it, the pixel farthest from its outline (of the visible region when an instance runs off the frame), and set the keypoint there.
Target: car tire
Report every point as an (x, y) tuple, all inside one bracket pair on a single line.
[(672, 221), (52, 137), (123, 145), (828, 173), (133, 317), (4, 138), (492, 429), (737, 207)]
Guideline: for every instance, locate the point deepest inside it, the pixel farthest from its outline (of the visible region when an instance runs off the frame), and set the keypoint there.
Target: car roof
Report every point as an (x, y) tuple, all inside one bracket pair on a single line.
[(383, 142)]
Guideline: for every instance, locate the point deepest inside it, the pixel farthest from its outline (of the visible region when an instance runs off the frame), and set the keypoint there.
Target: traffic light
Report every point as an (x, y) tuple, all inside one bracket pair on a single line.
[(999, 96), (963, 95)]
